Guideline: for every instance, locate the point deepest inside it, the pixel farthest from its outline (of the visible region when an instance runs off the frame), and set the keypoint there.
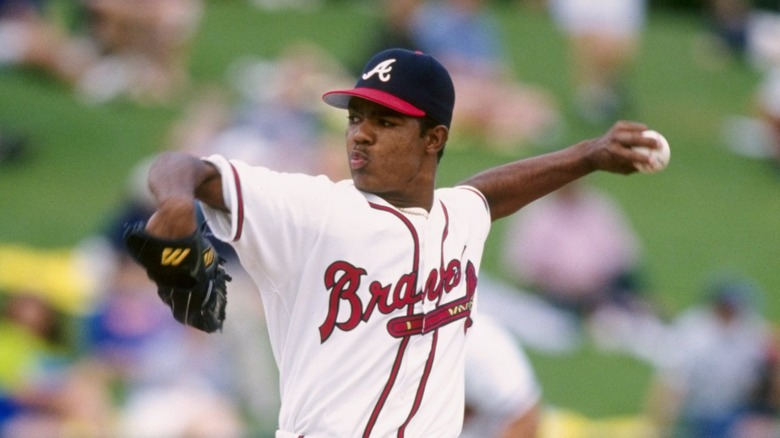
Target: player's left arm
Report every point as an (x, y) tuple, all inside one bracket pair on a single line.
[(172, 245), (509, 187)]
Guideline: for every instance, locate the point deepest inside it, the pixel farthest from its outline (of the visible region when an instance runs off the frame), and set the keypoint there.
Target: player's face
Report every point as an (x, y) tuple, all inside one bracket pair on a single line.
[(388, 155)]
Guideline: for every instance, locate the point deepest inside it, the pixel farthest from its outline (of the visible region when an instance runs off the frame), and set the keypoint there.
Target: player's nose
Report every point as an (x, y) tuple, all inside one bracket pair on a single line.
[(362, 133)]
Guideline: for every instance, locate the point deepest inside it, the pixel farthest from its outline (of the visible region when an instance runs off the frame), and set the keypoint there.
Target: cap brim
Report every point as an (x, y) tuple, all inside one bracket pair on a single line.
[(340, 99)]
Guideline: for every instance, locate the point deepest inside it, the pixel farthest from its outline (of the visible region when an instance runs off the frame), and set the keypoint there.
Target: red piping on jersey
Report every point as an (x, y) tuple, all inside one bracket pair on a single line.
[(402, 348), (432, 354), (421, 388), (388, 386), (240, 206)]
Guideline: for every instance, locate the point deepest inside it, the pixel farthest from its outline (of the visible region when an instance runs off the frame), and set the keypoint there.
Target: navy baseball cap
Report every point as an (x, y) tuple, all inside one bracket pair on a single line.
[(412, 83)]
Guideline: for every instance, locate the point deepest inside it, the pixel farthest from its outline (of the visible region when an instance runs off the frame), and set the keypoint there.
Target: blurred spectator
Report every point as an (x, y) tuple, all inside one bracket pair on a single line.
[(529, 318), (464, 35), (757, 135), (42, 393), (604, 38), (762, 416), (763, 33), (274, 123), (503, 397), (576, 247), (728, 23), (394, 29), (147, 41), (157, 366), (492, 103), (714, 359), (767, 395), (255, 378), (743, 30), (578, 250), (137, 50)]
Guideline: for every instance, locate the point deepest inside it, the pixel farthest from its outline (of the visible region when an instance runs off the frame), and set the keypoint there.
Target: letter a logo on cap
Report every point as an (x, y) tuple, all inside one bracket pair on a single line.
[(382, 69)]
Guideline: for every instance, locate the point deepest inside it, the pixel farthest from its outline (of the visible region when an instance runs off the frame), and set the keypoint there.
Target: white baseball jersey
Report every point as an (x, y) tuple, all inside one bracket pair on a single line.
[(367, 305)]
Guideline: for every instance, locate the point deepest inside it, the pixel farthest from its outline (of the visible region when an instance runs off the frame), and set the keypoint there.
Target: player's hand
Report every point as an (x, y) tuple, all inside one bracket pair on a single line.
[(612, 152)]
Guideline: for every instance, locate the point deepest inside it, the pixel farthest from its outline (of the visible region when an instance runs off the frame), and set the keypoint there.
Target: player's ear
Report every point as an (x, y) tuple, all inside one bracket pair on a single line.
[(436, 139)]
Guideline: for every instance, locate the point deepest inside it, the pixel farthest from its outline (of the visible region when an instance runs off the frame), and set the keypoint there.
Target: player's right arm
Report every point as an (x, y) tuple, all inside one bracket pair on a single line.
[(176, 180), (509, 187)]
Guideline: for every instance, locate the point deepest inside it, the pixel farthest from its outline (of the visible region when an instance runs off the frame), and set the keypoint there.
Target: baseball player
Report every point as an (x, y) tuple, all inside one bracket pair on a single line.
[(368, 283)]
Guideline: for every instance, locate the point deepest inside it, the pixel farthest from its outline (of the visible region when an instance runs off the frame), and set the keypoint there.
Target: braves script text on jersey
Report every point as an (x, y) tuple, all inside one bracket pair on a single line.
[(367, 306)]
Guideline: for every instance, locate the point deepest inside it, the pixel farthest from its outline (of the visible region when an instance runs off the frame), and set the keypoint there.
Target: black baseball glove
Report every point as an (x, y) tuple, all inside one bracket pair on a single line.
[(188, 274)]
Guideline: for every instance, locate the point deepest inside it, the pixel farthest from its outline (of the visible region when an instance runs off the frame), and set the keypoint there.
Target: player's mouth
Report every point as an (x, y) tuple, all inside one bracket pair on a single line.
[(357, 160)]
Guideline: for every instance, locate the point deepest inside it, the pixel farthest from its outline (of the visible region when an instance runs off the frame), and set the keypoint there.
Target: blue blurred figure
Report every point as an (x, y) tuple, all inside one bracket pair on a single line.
[(706, 385)]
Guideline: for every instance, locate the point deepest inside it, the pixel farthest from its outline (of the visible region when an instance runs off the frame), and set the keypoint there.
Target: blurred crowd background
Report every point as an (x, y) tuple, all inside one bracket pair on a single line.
[(646, 305)]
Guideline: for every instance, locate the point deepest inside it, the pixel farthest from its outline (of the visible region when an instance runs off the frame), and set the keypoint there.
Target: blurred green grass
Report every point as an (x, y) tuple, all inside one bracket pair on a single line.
[(709, 211)]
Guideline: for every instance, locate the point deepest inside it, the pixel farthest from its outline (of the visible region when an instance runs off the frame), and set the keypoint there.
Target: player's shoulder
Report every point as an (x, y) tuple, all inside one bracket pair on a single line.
[(466, 205), (461, 195)]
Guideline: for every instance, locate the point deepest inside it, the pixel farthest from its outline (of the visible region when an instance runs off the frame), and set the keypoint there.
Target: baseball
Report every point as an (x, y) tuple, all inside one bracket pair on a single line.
[(659, 158)]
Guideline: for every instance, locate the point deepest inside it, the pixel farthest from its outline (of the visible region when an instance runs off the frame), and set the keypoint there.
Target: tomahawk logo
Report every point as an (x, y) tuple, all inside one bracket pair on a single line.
[(382, 69)]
